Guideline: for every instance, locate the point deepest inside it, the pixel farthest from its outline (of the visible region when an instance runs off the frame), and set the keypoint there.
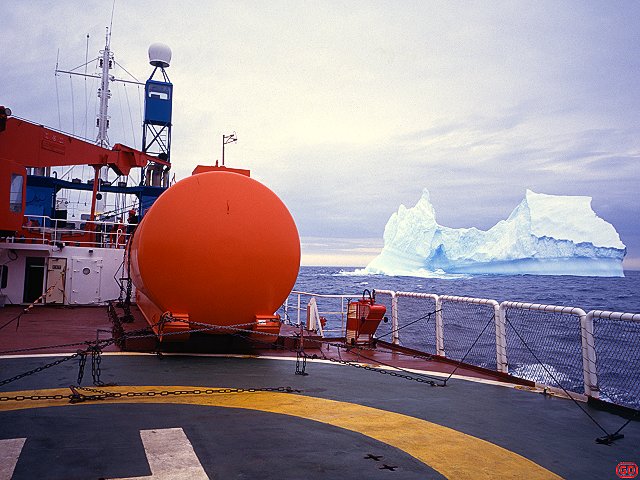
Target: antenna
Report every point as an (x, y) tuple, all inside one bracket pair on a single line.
[(227, 139), (113, 9), (105, 62), (156, 136)]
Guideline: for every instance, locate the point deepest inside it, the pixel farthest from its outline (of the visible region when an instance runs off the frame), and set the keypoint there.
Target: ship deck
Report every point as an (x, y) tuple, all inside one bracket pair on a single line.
[(248, 415)]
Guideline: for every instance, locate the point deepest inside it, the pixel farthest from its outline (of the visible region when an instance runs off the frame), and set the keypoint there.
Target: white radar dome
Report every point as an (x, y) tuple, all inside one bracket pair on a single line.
[(159, 55)]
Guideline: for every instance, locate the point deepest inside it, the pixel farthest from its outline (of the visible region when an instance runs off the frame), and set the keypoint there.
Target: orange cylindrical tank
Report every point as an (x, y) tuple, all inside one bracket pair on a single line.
[(219, 247)]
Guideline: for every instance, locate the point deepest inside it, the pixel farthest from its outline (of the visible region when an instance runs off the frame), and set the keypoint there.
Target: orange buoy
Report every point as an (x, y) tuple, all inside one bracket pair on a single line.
[(217, 247)]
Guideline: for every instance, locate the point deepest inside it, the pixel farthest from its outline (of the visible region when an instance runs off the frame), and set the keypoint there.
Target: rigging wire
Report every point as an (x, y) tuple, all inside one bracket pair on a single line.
[(126, 92), (142, 146), (124, 131), (73, 108), (127, 72), (57, 93), (113, 8), (67, 172), (86, 93), (427, 316), (553, 377)]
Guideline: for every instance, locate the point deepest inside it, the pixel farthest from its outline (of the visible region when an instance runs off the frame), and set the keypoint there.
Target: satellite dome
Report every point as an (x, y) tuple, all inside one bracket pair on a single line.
[(159, 55)]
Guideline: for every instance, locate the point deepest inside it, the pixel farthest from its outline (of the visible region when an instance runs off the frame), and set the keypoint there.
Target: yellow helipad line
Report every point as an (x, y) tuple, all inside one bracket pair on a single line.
[(454, 454)]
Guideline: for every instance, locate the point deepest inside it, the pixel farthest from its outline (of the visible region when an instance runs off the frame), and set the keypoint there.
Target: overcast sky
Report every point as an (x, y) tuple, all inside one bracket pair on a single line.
[(347, 109)]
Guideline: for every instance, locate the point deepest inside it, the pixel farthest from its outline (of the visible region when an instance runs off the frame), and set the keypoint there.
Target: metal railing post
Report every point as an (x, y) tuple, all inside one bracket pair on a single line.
[(395, 336), (286, 309), (501, 338), (394, 319), (299, 309), (439, 329), (588, 356)]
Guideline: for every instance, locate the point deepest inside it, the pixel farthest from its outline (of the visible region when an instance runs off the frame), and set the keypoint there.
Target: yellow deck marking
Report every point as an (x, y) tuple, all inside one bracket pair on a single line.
[(454, 454)]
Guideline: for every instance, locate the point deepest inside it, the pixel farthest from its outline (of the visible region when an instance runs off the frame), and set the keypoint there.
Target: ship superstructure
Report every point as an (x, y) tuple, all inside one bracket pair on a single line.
[(49, 256)]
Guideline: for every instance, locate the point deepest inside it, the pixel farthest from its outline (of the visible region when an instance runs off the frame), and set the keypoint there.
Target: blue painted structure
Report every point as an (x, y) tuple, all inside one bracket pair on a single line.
[(157, 104), (158, 99), (41, 194)]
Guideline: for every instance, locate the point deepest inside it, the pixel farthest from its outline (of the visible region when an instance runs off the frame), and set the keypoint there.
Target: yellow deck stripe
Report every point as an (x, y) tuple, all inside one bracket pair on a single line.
[(454, 454)]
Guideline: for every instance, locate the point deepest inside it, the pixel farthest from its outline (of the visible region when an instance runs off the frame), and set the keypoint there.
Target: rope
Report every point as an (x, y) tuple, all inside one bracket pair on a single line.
[(58, 96), (428, 315), (29, 307), (492, 319), (73, 108), (124, 131), (135, 143), (608, 435), (617, 434)]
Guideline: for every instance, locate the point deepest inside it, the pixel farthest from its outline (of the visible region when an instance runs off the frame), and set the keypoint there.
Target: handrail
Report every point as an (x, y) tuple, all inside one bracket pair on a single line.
[(590, 375), (395, 335), (588, 350), (46, 230), (342, 312), (628, 317), (325, 295)]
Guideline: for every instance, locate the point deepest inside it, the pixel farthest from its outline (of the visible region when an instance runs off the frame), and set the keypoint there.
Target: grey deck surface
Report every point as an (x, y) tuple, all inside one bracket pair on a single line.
[(98, 441)]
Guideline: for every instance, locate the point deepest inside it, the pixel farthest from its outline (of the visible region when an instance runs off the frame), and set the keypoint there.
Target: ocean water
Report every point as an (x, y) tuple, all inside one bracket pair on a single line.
[(543, 347), (619, 294)]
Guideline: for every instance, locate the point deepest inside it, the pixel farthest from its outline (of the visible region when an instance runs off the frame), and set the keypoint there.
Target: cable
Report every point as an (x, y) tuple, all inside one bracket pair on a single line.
[(428, 315), (554, 378)]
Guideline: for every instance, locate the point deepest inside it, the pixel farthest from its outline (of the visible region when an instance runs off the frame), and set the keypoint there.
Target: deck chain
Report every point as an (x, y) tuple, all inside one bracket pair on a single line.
[(95, 348), (96, 359), (96, 394), (301, 370), (40, 368), (82, 362), (391, 373)]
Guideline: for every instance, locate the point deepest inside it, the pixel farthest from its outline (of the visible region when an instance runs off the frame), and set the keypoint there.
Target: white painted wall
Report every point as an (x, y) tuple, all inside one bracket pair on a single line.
[(96, 286)]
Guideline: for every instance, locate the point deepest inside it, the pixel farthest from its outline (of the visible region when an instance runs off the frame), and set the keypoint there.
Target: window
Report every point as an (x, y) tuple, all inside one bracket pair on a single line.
[(15, 195), (162, 92)]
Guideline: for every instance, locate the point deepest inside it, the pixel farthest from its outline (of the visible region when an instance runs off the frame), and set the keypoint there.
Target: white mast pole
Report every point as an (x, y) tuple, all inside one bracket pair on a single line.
[(104, 94)]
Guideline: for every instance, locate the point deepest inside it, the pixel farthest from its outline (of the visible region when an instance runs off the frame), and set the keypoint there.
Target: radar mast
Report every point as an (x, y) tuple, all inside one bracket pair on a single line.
[(156, 135)]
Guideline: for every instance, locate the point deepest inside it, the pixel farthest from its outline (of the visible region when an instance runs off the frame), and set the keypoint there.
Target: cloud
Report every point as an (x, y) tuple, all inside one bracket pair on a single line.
[(347, 110)]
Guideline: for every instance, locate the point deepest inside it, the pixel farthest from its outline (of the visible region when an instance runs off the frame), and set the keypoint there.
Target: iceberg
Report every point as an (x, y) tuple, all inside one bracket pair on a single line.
[(544, 235)]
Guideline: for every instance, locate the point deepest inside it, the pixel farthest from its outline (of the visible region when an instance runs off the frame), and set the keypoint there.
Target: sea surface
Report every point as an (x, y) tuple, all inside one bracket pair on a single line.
[(618, 294), (541, 346)]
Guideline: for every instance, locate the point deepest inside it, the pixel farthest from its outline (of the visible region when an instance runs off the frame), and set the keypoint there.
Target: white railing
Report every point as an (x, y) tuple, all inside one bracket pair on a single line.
[(590, 377), (623, 328), (574, 323), (299, 307), (46, 230)]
